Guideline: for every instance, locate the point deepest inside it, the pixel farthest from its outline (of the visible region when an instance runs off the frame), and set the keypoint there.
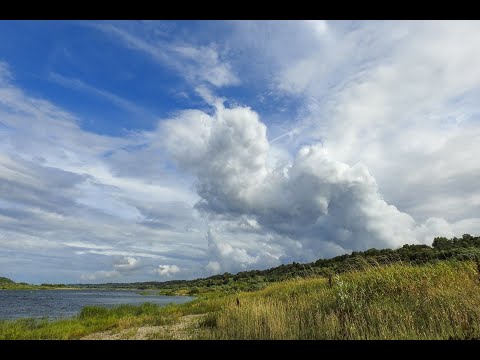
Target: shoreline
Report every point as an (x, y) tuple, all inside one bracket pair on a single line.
[(396, 301)]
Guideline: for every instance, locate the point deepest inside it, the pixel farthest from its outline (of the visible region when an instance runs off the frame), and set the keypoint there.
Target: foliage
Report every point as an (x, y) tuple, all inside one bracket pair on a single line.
[(464, 248), (438, 300), (4, 280), (8, 284), (414, 292), (397, 301), (90, 320)]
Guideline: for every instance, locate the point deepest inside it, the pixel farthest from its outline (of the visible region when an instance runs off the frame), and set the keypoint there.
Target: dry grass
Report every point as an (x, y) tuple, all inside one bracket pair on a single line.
[(439, 301)]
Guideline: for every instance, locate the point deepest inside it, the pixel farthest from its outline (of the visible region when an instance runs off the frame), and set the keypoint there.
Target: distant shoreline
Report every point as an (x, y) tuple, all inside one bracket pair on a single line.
[(40, 288)]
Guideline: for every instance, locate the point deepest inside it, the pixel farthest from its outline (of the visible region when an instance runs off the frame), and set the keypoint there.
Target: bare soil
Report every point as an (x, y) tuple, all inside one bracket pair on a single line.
[(185, 329)]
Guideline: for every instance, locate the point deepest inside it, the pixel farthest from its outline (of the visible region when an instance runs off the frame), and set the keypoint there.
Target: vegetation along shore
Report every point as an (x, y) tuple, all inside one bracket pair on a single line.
[(415, 292)]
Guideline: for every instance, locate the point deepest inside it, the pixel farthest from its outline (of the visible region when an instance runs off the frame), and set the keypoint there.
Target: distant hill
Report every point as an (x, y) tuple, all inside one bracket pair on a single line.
[(9, 284), (4, 280)]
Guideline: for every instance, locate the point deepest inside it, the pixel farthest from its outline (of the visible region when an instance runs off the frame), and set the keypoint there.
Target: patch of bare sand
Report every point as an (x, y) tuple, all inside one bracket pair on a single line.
[(185, 329)]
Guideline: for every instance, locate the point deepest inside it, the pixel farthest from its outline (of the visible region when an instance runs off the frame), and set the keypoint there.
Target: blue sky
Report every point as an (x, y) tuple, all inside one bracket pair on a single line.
[(153, 150)]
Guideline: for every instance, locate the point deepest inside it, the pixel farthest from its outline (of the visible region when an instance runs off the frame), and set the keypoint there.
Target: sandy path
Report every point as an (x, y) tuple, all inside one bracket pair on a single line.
[(185, 329)]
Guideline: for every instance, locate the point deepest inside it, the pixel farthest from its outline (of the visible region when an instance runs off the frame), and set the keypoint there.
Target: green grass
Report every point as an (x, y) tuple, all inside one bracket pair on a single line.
[(8, 284), (91, 319), (399, 301)]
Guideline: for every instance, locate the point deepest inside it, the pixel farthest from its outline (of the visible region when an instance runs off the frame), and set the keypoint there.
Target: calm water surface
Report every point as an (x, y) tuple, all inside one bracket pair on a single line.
[(66, 303)]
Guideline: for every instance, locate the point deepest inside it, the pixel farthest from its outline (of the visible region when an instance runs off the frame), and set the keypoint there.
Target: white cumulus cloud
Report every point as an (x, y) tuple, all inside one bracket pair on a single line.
[(315, 206), (167, 270)]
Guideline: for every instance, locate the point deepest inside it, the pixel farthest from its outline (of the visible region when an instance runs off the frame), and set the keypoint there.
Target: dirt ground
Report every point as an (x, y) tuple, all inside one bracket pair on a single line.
[(185, 329)]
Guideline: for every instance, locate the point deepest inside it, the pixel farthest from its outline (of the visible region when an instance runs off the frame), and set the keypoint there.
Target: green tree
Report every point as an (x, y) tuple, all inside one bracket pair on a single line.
[(442, 243)]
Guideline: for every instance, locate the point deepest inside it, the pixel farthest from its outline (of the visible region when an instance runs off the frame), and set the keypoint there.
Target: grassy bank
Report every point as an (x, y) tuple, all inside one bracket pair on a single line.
[(439, 301), (433, 301), (8, 284), (90, 320)]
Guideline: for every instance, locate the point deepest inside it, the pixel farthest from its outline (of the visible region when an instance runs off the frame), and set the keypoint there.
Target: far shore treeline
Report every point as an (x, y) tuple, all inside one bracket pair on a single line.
[(465, 248)]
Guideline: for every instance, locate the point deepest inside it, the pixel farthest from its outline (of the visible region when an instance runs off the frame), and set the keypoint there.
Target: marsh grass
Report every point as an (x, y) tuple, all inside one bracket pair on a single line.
[(371, 301), (90, 320), (435, 301)]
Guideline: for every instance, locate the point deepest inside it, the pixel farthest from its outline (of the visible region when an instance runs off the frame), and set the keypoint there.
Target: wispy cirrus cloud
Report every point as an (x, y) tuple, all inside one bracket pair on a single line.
[(197, 64), (61, 198), (116, 100), (5, 73)]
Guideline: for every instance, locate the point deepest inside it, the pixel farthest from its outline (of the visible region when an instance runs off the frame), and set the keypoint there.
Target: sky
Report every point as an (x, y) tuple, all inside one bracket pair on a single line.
[(160, 150)]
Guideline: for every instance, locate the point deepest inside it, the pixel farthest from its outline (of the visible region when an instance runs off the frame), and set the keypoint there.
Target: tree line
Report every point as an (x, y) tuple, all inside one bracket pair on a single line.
[(465, 248)]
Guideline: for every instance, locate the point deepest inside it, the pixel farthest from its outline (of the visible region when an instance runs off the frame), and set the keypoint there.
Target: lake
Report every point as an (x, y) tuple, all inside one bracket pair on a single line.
[(56, 304)]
